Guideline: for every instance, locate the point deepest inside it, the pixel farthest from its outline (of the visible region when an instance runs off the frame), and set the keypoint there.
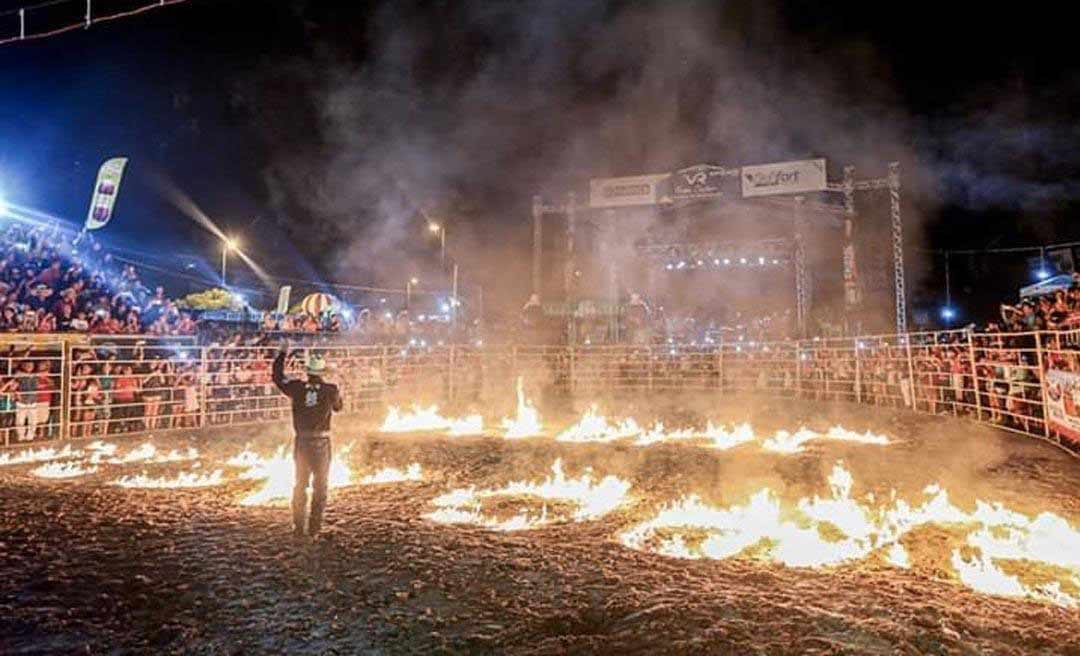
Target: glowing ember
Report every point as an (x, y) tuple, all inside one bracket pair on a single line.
[(826, 531), (278, 473), (594, 427), (63, 470), (590, 500), (526, 422), (393, 475), (44, 454), (182, 480)]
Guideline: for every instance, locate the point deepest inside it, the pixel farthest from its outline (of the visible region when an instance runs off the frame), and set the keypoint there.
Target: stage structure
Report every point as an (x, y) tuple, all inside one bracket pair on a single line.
[(785, 187)]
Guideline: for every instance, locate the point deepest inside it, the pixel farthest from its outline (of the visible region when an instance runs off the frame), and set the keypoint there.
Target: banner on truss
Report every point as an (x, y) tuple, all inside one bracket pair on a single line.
[(704, 181), (106, 189), (783, 178), (626, 192)]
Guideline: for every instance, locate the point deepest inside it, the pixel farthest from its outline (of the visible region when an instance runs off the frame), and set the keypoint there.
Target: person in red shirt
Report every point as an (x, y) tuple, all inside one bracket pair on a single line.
[(46, 390), (124, 407)]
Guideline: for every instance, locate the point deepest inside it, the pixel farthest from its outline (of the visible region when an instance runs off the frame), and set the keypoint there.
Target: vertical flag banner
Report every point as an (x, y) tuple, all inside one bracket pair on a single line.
[(283, 299), (106, 190)]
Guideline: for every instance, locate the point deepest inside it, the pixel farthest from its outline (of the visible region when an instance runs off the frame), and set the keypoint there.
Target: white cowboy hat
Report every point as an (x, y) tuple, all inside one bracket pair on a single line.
[(316, 364)]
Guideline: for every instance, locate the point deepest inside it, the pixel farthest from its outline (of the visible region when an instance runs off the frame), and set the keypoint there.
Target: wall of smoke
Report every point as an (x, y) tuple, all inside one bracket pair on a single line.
[(465, 111)]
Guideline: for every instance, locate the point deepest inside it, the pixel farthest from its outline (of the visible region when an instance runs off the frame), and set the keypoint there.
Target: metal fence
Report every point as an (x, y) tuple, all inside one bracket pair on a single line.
[(58, 387)]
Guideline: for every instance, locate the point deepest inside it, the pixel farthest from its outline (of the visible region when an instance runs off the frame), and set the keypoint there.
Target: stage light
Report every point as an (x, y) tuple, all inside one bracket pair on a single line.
[(716, 262), (742, 260), (761, 260), (700, 263), (947, 313), (445, 307), (727, 261), (1041, 273), (776, 261), (682, 265), (670, 266)]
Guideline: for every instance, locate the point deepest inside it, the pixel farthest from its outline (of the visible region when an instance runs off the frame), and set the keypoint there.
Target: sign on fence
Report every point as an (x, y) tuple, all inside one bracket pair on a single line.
[(1063, 402)]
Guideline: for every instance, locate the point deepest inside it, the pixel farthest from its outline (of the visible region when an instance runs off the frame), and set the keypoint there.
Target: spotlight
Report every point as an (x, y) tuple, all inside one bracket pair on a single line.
[(670, 266), (776, 261), (742, 260), (716, 262), (947, 313), (727, 261), (1042, 274), (761, 260)]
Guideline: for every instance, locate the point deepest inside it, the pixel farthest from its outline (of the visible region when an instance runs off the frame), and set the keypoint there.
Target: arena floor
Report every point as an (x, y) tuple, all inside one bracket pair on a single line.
[(89, 567)]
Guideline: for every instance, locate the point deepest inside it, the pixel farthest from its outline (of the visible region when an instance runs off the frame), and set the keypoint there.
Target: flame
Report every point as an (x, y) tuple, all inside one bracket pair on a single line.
[(788, 443), (590, 499), (43, 454), (278, 473), (526, 423), (594, 427), (63, 470), (393, 475), (470, 425), (835, 529), (429, 419), (182, 480), (146, 452)]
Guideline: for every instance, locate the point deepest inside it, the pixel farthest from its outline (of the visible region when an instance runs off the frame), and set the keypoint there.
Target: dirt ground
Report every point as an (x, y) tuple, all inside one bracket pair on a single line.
[(90, 568)]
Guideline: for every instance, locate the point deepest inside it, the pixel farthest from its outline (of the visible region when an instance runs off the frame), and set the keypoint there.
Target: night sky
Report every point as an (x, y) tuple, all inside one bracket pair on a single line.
[(318, 132)]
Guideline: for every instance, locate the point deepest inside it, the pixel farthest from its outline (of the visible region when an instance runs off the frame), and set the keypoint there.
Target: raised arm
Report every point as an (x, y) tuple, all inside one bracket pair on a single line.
[(280, 381)]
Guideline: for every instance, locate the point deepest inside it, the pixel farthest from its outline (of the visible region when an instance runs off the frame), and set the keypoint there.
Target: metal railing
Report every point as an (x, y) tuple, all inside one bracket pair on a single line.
[(56, 387)]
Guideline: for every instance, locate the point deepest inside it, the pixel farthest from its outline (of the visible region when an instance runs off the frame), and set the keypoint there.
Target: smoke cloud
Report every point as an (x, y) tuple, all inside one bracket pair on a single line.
[(464, 111)]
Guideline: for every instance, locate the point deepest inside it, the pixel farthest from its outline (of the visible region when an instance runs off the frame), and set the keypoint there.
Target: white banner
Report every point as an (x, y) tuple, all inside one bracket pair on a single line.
[(283, 299), (625, 192), (106, 190), (783, 178)]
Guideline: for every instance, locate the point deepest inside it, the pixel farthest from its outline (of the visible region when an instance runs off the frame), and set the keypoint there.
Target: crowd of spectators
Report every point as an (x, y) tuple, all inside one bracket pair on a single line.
[(50, 284)]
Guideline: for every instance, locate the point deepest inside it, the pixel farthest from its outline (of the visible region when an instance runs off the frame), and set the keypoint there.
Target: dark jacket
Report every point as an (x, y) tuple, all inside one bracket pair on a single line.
[(313, 401)]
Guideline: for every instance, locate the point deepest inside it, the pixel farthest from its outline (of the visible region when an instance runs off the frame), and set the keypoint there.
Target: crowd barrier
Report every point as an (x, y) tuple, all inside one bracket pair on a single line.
[(61, 387)]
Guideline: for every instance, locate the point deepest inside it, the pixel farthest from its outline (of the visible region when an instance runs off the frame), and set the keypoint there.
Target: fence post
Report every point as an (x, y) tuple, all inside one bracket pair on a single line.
[(798, 368), (720, 368), (910, 373), (571, 370), (204, 377), (974, 375), (450, 376), (1042, 384), (65, 389), (858, 371)]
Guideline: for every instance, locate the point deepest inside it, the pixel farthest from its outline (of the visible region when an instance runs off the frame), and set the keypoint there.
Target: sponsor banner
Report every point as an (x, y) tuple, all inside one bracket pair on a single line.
[(704, 181), (625, 192), (1048, 286), (582, 309), (1063, 403), (783, 178), (283, 299), (106, 190)]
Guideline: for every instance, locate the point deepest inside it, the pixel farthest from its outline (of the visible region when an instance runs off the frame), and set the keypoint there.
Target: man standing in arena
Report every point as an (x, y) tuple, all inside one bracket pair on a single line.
[(313, 403)]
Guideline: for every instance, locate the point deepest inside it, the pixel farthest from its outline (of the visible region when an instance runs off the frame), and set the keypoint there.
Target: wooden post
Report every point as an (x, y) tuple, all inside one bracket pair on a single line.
[(974, 375), (1042, 384)]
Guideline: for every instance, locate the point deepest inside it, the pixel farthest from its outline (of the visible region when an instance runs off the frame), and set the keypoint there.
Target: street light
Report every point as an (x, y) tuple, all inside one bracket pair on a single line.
[(228, 244), (437, 228), (412, 282)]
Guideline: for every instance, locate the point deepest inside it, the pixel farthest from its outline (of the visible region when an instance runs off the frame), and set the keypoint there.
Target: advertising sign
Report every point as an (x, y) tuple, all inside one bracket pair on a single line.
[(783, 178), (1063, 403), (625, 192), (703, 181), (283, 299)]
